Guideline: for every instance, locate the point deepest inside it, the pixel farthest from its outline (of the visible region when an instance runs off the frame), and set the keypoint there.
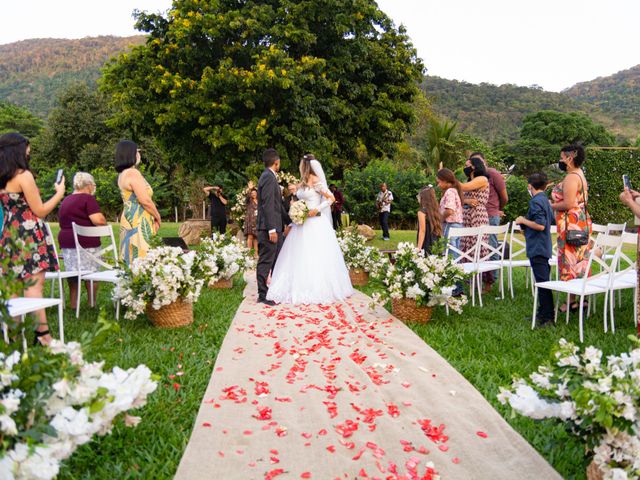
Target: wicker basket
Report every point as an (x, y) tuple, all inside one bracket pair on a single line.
[(594, 472), (358, 277), (177, 314), (224, 283), (407, 311)]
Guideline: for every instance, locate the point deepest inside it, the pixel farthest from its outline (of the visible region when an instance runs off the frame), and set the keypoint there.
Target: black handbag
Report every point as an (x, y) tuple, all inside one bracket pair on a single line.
[(577, 238)]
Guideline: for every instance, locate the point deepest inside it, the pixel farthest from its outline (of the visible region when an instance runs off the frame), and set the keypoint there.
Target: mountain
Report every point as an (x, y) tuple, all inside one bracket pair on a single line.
[(32, 72)]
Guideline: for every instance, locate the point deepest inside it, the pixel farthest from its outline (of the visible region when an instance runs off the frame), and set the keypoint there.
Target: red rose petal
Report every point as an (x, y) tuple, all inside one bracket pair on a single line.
[(482, 434), (206, 424), (455, 460), (306, 475)]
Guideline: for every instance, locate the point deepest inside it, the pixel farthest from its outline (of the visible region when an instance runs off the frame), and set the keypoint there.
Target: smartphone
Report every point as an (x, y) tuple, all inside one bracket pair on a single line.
[(59, 175), (626, 181)]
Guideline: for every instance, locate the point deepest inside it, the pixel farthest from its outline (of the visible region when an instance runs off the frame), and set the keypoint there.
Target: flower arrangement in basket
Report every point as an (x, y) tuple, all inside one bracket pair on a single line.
[(599, 402), (164, 283), (220, 258), (416, 283), (361, 260)]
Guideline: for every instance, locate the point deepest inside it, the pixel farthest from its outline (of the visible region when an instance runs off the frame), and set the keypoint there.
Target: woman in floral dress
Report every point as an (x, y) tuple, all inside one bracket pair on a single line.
[(23, 212), (250, 221), (569, 200)]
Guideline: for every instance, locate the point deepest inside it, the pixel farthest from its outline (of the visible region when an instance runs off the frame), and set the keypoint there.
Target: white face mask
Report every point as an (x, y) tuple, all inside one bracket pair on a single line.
[(530, 192)]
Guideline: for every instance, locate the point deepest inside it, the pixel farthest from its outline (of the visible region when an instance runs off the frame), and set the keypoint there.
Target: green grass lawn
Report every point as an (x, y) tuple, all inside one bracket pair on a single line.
[(487, 345)]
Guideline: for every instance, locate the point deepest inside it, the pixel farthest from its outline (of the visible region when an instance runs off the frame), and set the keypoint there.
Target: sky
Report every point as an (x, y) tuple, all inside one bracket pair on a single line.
[(551, 43)]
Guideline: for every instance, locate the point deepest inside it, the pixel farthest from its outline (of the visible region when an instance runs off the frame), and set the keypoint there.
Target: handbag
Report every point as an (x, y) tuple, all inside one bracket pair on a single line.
[(577, 238)]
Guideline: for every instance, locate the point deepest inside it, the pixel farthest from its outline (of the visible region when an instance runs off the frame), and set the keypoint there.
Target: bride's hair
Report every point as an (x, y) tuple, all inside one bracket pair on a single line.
[(305, 168)]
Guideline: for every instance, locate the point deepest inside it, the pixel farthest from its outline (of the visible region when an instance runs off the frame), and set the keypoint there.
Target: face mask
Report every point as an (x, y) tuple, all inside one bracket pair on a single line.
[(562, 166), (530, 192), (467, 171)]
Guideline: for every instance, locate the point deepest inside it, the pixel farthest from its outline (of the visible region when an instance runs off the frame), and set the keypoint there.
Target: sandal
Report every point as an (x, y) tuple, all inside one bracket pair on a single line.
[(573, 307), (36, 340)]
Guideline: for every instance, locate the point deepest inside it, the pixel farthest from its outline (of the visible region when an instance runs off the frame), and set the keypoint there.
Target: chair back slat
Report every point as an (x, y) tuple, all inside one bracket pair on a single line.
[(607, 265), (470, 255), (490, 249), (96, 232), (517, 247)]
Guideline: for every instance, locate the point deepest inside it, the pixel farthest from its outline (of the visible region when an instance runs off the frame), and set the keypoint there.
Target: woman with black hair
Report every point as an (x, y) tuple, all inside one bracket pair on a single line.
[(569, 201), (140, 218), (23, 212)]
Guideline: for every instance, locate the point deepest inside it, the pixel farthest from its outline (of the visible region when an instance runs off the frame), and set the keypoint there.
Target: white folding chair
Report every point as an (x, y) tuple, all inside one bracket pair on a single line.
[(486, 263), (584, 286), (517, 248), (21, 306), (110, 272), (613, 229), (467, 259)]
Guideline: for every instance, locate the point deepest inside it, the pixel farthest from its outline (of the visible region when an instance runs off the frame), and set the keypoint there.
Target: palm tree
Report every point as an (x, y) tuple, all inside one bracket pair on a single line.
[(441, 140)]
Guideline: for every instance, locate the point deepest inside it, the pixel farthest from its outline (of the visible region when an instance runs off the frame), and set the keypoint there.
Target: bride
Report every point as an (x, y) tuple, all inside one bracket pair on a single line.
[(310, 268)]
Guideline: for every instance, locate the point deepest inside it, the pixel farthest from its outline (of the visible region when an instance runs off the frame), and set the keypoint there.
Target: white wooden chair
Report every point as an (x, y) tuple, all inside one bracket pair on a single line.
[(582, 287), (613, 229), (109, 273), (21, 306), (486, 263), (467, 259), (517, 248)]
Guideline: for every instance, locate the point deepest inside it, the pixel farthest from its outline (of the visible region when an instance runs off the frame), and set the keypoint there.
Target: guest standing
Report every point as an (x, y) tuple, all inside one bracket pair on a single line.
[(569, 200), (450, 204), (429, 220), (140, 218), (81, 208), (218, 209), (383, 203), (250, 220), (336, 207), (23, 211)]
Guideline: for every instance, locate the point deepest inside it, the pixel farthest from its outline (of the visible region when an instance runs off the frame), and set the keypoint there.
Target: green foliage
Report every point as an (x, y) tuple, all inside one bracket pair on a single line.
[(518, 198), (528, 156), (558, 128), (604, 170), (360, 188), (216, 82), (17, 119), (441, 141)]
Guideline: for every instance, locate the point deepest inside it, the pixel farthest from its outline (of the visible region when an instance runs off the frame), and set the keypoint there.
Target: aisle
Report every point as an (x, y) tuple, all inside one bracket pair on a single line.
[(338, 391)]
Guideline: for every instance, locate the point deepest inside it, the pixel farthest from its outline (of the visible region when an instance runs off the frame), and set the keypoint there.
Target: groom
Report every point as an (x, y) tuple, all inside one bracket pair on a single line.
[(272, 219)]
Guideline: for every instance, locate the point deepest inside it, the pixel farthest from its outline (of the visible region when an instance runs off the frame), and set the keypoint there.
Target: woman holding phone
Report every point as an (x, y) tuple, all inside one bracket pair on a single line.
[(23, 212)]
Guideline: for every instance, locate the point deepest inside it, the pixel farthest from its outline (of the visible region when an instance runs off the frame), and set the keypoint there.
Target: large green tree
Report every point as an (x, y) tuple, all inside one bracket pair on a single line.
[(558, 128), (17, 119), (220, 80)]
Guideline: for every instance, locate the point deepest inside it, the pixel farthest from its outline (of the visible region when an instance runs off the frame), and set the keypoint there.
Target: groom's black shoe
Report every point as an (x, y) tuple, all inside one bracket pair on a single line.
[(271, 303)]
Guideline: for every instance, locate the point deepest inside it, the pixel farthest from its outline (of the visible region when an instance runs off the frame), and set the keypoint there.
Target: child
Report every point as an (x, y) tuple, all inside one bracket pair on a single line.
[(429, 222), (451, 201), (537, 232)]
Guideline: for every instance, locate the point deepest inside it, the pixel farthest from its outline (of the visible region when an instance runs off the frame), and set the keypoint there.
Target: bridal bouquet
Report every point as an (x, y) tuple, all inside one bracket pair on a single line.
[(429, 280), (163, 276), (359, 256), (597, 401), (298, 212), (221, 257)]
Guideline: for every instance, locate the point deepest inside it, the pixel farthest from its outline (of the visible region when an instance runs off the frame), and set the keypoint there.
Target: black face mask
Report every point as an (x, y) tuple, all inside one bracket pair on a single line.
[(468, 171), (562, 166)]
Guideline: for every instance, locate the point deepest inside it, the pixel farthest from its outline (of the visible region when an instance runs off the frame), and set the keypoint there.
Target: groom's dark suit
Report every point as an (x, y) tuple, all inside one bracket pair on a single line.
[(272, 217)]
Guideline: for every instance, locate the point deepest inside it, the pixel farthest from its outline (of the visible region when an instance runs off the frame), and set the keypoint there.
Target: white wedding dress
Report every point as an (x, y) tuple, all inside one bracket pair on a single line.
[(310, 268)]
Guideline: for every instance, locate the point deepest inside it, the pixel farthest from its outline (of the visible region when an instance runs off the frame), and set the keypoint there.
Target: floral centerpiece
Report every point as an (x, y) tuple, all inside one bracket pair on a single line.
[(597, 401), (164, 283), (416, 283), (298, 212), (361, 260), (220, 258)]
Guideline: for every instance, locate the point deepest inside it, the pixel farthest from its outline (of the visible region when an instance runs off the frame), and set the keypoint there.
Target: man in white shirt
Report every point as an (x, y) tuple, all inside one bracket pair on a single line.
[(383, 203)]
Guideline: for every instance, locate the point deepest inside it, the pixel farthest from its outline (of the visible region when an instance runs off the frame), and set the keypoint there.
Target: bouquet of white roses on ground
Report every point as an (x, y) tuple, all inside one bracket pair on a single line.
[(298, 212), (358, 256), (597, 401), (429, 280), (221, 257), (158, 279)]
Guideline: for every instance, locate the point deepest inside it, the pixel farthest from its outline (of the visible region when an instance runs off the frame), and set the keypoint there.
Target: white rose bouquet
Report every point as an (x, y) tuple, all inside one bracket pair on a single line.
[(298, 212), (160, 278), (359, 256), (596, 400), (221, 257)]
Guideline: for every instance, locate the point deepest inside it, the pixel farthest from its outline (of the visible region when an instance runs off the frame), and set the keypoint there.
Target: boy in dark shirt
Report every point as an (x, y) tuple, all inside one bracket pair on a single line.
[(537, 232)]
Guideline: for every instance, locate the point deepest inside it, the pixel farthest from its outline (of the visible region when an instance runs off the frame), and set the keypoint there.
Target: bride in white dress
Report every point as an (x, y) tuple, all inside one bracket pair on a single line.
[(310, 268)]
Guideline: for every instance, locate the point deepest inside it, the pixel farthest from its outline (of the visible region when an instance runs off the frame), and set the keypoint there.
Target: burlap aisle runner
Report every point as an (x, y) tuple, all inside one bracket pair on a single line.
[(328, 392)]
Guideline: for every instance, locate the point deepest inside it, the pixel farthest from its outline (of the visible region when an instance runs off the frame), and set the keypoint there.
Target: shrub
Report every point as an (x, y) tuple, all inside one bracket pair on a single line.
[(518, 198)]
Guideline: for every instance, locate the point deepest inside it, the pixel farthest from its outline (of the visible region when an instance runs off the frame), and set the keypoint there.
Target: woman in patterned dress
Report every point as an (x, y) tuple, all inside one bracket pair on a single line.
[(476, 196), (250, 221), (140, 218), (23, 211), (570, 198)]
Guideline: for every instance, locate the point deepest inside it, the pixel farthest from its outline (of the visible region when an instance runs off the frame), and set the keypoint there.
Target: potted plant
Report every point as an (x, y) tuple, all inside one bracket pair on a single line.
[(361, 260), (220, 258), (596, 400), (164, 284), (416, 283)]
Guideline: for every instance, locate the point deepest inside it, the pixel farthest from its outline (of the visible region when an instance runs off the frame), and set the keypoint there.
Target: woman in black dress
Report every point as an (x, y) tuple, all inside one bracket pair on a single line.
[(429, 220)]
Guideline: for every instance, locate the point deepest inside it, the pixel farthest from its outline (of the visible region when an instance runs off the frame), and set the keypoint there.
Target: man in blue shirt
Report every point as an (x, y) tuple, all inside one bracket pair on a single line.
[(537, 232)]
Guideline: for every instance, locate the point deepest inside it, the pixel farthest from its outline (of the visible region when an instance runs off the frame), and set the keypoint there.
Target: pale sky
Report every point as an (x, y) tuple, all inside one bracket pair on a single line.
[(552, 43)]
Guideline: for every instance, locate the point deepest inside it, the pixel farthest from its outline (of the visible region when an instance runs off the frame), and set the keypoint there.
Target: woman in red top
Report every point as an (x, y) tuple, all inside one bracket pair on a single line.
[(82, 208)]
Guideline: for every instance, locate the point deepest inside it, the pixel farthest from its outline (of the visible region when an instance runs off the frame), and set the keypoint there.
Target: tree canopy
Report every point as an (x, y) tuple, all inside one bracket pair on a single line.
[(557, 128), (17, 119), (218, 81)]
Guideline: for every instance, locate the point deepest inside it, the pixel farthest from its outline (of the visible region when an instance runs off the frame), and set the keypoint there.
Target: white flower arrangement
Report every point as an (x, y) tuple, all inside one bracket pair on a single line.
[(160, 278), (597, 401), (429, 280), (359, 256), (44, 422), (298, 212), (221, 257)]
